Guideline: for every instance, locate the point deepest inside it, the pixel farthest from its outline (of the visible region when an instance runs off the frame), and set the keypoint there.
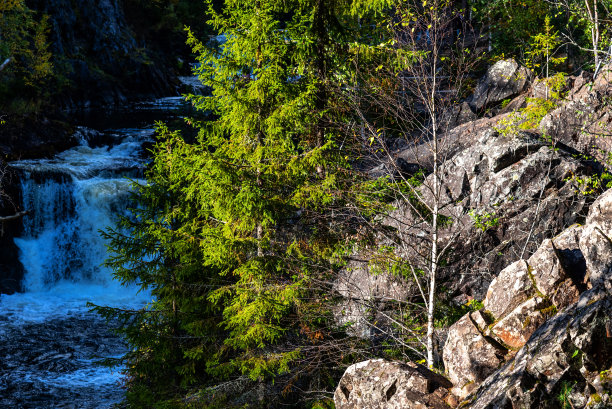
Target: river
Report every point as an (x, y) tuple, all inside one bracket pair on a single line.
[(50, 343)]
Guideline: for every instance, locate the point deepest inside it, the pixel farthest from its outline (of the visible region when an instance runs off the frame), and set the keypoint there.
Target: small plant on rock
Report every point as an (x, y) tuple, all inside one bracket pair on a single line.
[(530, 117), (563, 398), (484, 220)]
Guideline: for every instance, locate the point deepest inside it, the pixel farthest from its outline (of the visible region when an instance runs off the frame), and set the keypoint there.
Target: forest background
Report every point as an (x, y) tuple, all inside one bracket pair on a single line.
[(244, 223)]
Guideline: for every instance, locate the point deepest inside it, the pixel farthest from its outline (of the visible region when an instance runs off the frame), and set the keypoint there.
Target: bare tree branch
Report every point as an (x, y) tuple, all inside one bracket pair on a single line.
[(13, 216)]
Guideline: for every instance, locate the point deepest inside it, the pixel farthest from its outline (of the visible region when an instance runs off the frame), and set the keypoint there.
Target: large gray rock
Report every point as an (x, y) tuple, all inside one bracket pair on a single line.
[(597, 248), (363, 292), (596, 243), (525, 185), (518, 178), (516, 327), (567, 249), (509, 289), (583, 121), (582, 125), (566, 354), (522, 182), (568, 358), (541, 88), (558, 268), (519, 300), (459, 115), (545, 268), (357, 280), (600, 213), (505, 79), (380, 384), (469, 357)]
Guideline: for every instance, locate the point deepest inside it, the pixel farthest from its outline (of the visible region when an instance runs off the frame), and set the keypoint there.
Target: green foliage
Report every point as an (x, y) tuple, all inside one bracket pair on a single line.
[(231, 233), (23, 39), (592, 184), (484, 220), (582, 21), (542, 48), (448, 313), (376, 196), (529, 118), (596, 183), (563, 397), (323, 404), (510, 23), (509, 27)]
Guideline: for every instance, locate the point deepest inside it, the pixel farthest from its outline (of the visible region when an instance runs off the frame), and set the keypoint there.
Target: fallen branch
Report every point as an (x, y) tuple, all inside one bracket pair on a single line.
[(14, 216)]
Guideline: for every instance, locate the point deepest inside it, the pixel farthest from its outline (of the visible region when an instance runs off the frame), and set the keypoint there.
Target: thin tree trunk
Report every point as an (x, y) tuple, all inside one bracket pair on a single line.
[(594, 19), (547, 64), (432, 283), (433, 271), (434, 222)]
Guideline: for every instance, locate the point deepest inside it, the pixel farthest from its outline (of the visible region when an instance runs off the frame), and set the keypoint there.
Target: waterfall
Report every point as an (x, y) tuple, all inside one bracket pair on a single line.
[(61, 239), (70, 198)]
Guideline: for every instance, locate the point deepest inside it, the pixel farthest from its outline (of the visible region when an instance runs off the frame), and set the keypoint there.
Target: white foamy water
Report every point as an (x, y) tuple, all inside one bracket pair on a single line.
[(67, 299), (83, 162), (62, 239), (50, 341), (165, 104)]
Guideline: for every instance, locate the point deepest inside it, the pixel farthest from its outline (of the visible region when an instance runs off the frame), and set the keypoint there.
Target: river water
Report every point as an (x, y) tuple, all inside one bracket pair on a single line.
[(50, 343)]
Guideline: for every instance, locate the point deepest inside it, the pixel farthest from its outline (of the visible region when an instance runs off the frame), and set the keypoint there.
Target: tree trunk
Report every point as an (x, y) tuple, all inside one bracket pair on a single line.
[(433, 270), (594, 19), (435, 210), (432, 282)]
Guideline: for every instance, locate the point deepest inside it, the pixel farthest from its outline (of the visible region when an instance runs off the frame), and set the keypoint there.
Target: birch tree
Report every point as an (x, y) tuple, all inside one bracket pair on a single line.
[(594, 17), (412, 100)]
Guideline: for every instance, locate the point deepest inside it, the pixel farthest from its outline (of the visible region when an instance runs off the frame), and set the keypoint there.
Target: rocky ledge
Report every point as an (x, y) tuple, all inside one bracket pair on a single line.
[(526, 181), (543, 338)]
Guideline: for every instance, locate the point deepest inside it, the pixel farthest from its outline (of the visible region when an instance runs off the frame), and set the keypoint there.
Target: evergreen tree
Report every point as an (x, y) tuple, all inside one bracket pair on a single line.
[(25, 60), (229, 232)]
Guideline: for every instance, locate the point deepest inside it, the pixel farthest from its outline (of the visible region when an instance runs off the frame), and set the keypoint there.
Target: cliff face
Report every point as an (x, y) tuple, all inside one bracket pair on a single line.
[(519, 178), (101, 56), (564, 361)]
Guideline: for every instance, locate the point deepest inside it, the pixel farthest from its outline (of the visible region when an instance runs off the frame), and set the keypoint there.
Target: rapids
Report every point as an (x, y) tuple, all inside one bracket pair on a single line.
[(50, 342)]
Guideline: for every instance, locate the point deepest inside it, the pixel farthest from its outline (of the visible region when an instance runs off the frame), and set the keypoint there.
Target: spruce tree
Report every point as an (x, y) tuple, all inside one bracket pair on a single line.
[(232, 232)]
